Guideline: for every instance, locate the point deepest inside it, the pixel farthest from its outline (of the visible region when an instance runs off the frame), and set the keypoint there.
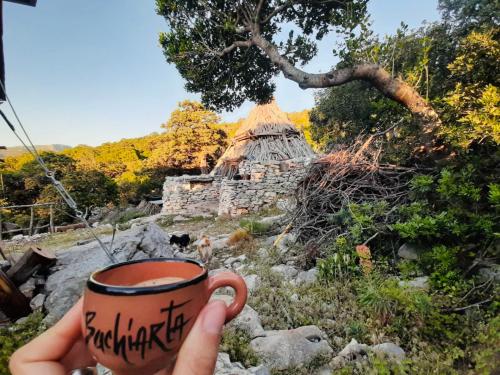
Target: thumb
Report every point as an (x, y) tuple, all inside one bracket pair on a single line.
[(198, 353)]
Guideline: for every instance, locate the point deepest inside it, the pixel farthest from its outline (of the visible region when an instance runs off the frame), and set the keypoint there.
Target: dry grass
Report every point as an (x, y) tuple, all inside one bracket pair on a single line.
[(238, 236)]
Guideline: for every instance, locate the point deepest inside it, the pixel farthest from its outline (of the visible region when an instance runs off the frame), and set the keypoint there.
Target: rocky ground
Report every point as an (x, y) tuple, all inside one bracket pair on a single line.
[(291, 324)]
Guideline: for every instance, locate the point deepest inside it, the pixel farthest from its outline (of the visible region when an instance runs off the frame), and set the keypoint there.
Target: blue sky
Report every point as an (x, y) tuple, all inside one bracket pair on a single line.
[(88, 72)]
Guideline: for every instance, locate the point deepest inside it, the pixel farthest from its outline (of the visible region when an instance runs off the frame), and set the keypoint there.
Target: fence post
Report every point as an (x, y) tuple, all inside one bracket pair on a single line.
[(0, 225), (32, 219), (51, 219)]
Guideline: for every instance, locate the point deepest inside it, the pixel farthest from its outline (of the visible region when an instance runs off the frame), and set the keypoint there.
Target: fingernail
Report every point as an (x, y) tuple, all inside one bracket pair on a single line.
[(214, 316)]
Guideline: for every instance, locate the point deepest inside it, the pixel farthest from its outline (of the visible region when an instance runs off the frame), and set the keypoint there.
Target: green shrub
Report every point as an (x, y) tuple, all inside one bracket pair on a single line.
[(237, 344), (255, 227), (392, 304), (14, 337), (487, 355), (340, 261)]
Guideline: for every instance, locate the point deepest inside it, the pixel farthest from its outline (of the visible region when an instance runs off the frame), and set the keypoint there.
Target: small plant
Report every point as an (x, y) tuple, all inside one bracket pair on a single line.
[(255, 227), (165, 221), (386, 300), (237, 344), (340, 262), (239, 236)]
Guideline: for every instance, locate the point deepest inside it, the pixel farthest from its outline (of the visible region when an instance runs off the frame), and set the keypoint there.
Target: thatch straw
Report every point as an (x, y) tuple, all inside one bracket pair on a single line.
[(267, 134)]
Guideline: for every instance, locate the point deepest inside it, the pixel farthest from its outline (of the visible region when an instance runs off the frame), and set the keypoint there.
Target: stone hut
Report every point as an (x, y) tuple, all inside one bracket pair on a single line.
[(264, 162)]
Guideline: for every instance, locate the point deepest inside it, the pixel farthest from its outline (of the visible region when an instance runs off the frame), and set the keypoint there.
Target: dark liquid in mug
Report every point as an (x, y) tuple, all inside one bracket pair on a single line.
[(160, 281)]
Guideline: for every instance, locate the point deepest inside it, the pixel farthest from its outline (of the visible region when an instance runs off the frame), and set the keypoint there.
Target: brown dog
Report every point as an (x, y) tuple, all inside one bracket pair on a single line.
[(205, 249)]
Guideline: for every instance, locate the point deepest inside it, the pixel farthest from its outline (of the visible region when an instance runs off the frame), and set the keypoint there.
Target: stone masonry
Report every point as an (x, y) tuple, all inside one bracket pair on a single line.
[(262, 184)]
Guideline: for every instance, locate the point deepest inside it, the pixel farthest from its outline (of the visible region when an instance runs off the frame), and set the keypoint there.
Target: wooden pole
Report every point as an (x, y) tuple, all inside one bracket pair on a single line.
[(1, 251), (12, 302), (1, 225), (51, 219), (32, 219)]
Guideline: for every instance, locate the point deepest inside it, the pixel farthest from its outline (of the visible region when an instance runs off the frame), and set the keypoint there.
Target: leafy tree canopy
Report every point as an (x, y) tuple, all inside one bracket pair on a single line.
[(204, 37)]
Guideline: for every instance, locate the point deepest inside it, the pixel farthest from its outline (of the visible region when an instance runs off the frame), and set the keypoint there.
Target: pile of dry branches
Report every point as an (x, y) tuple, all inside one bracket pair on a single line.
[(344, 177)]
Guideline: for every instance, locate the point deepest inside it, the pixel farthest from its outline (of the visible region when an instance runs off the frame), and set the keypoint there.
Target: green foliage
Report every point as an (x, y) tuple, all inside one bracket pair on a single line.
[(192, 139), (26, 183), (236, 343), (339, 262), (487, 355), (472, 106), (390, 303), (442, 265), (255, 227), (16, 336), (198, 32)]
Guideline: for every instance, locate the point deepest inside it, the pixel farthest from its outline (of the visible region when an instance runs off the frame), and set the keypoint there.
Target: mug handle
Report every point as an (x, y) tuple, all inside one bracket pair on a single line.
[(234, 281)]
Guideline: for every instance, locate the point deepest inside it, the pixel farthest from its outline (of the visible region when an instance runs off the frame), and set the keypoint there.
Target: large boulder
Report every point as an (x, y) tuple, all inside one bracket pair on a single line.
[(410, 251), (74, 265), (307, 277), (280, 350), (247, 321)]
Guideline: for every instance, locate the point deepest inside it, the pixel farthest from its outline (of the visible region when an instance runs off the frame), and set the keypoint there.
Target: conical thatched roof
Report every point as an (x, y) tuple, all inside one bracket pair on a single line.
[(266, 134)]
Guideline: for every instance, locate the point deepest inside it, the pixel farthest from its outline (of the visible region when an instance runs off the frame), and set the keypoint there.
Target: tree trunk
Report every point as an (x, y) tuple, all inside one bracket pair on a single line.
[(12, 302), (393, 88), (31, 261)]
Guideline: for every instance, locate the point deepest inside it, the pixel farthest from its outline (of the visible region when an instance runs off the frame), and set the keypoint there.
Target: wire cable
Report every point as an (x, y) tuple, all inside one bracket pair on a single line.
[(66, 196)]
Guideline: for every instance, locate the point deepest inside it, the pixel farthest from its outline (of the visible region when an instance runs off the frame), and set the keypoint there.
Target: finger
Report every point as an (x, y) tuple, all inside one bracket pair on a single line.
[(52, 345), (78, 357), (198, 353)]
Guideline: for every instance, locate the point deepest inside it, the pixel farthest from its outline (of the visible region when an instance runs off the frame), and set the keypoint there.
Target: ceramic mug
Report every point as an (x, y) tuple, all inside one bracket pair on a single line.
[(132, 328)]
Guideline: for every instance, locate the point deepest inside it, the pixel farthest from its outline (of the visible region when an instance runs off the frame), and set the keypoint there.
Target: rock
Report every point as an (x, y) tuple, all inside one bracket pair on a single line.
[(307, 277), (28, 288), (37, 302), (389, 350), (417, 283), (247, 321), (253, 282), (409, 251), (263, 252), (272, 220), (224, 366), (179, 218), (75, 264), (220, 243), (490, 273), (289, 348), (288, 272), (4, 265), (22, 320), (351, 352), (233, 262), (354, 350)]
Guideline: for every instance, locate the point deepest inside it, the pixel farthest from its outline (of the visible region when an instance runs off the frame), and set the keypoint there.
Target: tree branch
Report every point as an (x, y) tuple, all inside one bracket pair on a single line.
[(393, 88), (238, 43)]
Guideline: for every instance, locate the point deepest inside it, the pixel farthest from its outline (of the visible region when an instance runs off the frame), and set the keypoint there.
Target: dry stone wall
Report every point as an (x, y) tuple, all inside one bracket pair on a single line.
[(262, 185), (268, 182), (191, 195)]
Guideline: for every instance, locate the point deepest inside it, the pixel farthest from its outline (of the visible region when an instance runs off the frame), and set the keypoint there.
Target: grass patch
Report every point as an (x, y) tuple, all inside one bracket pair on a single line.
[(237, 344), (239, 236), (255, 227), (17, 335)]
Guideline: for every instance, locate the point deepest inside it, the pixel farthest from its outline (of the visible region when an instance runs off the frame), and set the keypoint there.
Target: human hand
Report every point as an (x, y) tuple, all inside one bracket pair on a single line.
[(62, 348)]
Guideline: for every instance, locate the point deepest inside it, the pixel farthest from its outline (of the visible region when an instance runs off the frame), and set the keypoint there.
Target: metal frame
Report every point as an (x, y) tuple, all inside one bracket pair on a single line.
[(24, 2)]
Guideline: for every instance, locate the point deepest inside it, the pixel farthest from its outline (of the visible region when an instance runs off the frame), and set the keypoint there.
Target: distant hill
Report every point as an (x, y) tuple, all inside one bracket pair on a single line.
[(19, 150)]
